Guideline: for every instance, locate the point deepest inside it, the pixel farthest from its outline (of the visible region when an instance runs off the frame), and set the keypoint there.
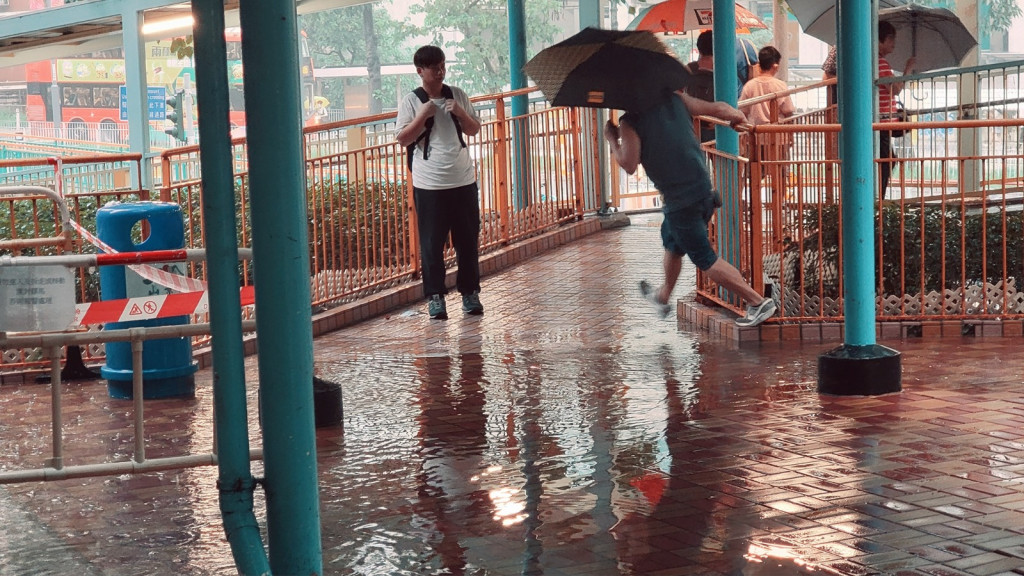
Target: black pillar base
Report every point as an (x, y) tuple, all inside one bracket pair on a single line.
[(327, 407), (74, 366), (859, 371)]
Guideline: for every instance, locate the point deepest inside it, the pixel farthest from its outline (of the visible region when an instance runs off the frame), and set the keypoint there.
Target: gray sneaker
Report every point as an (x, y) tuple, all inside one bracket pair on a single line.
[(647, 291), (471, 304), (437, 308), (757, 314)]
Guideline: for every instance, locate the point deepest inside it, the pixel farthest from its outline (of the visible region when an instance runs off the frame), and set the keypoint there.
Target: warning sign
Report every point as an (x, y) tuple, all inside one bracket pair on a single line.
[(36, 298)]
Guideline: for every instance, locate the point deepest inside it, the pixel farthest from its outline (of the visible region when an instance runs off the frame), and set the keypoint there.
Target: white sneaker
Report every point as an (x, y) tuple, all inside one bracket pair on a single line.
[(647, 291), (757, 314)]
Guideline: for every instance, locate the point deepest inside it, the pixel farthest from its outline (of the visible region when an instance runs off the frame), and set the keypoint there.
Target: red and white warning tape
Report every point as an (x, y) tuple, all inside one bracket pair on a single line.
[(149, 307), (175, 282)]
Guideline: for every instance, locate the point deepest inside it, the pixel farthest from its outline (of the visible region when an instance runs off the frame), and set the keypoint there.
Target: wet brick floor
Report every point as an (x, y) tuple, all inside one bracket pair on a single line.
[(568, 431)]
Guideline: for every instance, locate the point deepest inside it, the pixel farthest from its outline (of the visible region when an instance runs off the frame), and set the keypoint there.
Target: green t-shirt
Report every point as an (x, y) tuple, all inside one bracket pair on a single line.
[(670, 153)]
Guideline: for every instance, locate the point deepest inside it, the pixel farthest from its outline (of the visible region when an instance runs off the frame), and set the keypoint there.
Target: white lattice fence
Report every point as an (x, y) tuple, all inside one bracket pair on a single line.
[(783, 275)]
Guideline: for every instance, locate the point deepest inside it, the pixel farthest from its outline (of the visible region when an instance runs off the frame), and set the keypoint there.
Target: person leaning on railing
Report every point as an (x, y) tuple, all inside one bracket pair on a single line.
[(763, 85)]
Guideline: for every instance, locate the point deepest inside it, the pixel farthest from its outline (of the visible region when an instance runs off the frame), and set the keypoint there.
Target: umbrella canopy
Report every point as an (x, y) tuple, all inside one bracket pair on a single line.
[(936, 36), (818, 17), (678, 16), (626, 70)]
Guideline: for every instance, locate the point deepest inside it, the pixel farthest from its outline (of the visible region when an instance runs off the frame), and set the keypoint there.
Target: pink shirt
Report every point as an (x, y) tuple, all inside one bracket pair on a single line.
[(760, 113)]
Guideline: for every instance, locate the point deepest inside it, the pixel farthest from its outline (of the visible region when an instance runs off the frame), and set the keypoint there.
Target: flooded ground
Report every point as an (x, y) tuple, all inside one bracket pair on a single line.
[(569, 431)]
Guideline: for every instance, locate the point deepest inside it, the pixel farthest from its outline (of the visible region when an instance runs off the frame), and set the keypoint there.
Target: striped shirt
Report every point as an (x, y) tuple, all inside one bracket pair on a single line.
[(886, 100)]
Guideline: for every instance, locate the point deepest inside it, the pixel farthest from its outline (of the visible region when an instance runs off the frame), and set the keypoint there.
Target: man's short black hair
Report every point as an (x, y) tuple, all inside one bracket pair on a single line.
[(885, 30), (706, 44), (768, 56), (428, 56)]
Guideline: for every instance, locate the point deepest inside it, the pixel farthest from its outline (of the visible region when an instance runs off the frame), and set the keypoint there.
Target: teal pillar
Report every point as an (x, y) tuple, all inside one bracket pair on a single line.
[(859, 366), (520, 104), (234, 480), (277, 186), (135, 87), (590, 16), (726, 139)]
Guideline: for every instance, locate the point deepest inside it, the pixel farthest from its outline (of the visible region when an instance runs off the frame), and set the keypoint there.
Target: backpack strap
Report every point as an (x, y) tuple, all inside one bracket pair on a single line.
[(446, 91), (425, 135)]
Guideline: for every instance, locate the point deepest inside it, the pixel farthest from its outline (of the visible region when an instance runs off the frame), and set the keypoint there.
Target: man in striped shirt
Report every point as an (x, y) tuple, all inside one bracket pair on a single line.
[(887, 103)]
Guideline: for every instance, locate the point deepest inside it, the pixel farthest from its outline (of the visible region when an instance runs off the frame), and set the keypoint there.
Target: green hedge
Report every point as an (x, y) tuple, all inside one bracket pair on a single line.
[(905, 262)]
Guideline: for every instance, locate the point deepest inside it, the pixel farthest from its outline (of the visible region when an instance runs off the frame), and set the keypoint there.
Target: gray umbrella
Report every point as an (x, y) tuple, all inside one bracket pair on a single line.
[(935, 36), (818, 17)]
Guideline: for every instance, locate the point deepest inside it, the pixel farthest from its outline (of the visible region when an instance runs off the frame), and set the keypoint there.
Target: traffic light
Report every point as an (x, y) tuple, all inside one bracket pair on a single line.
[(176, 115)]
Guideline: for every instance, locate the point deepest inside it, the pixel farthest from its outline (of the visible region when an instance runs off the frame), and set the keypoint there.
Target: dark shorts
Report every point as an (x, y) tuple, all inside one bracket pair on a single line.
[(685, 233)]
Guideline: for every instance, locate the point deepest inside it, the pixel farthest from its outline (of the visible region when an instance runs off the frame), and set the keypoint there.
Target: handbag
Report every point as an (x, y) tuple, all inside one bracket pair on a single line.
[(899, 116)]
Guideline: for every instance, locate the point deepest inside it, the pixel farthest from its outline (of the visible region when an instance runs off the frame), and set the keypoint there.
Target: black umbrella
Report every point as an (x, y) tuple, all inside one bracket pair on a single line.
[(626, 70)]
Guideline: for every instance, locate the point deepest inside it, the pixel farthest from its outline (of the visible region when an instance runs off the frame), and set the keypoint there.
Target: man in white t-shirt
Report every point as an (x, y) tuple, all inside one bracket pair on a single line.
[(444, 181)]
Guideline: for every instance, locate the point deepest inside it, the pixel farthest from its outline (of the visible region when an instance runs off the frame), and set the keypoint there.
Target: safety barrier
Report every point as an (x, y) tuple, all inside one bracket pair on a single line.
[(54, 468)]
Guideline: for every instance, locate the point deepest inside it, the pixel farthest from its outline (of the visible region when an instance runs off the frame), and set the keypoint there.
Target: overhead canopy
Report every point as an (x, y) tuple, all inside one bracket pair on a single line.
[(83, 27)]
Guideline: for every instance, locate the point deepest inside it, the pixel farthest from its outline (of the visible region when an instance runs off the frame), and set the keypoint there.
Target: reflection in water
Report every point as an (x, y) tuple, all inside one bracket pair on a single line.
[(452, 439)]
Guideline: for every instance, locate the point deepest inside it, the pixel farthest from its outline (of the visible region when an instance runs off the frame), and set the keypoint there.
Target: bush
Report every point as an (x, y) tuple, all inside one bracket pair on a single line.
[(949, 255), (350, 228)]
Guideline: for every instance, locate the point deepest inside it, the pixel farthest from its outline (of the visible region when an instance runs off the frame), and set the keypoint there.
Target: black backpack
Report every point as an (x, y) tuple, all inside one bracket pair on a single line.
[(446, 92), (702, 86)]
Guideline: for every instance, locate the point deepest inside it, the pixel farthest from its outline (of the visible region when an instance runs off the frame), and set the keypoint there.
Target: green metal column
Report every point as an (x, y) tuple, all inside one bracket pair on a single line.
[(857, 141), (281, 259), (726, 139), (859, 366), (234, 481), (724, 31), (590, 15), (520, 104), (135, 85)]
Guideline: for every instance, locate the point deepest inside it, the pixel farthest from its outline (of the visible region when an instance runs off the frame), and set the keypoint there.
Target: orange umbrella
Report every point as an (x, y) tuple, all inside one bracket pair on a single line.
[(679, 16)]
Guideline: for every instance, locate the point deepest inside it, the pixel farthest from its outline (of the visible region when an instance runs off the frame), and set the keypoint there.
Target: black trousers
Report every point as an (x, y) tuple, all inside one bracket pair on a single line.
[(438, 213), (885, 153)]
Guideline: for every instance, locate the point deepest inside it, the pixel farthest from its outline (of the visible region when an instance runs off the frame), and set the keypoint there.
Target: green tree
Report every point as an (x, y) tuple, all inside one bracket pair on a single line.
[(365, 35), (481, 43), (994, 15)]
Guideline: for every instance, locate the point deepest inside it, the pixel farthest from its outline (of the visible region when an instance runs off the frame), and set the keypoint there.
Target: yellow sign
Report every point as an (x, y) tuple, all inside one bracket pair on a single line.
[(95, 70)]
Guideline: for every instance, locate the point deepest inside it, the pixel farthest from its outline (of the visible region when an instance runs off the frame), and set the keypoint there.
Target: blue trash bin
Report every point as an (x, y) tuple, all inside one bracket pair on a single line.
[(168, 368)]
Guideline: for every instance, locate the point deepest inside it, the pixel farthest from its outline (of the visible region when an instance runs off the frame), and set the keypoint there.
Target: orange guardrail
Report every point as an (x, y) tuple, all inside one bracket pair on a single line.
[(535, 172)]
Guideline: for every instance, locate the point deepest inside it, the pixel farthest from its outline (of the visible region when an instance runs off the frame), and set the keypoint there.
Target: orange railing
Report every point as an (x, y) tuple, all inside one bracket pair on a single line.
[(535, 172), (949, 237)]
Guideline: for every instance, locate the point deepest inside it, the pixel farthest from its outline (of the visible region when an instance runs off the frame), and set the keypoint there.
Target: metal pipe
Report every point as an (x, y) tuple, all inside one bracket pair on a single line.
[(116, 259), (280, 241), (57, 425), (858, 174), (114, 468), (137, 397), (231, 429), (123, 335), (39, 191)]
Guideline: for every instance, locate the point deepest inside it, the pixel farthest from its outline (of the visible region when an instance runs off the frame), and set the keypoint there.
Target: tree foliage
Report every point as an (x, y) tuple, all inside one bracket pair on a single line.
[(339, 38), (480, 43), (993, 15)]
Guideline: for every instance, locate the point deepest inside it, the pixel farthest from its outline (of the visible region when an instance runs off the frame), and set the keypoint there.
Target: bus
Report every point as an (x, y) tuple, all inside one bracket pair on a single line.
[(83, 94)]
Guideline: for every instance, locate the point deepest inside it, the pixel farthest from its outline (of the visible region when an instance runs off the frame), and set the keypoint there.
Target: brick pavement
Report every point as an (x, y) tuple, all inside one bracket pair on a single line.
[(568, 431)]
